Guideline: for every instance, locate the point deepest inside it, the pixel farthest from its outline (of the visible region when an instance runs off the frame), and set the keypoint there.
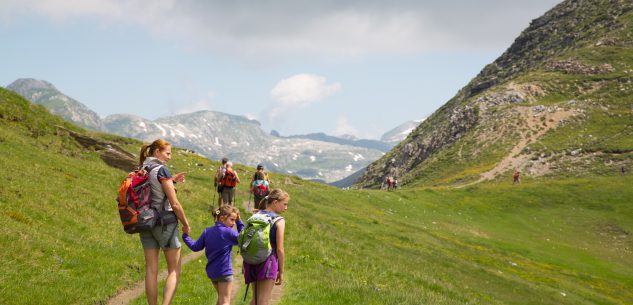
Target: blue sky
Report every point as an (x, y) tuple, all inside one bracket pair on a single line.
[(340, 67)]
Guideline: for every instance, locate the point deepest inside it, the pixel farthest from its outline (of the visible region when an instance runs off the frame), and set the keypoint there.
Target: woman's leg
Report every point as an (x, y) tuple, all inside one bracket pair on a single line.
[(224, 292), (263, 290), (151, 275), (173, 274)]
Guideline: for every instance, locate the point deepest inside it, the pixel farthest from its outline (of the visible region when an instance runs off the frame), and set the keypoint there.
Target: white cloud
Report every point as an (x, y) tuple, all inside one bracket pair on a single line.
[(303, 89), (300, 90)]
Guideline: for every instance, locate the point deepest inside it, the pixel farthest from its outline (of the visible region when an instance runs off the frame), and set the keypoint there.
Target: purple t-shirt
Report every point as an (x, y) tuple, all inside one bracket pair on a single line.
[(217, 242)]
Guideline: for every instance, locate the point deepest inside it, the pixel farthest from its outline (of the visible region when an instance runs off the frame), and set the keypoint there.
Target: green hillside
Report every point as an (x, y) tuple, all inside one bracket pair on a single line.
[(545, 241), (63, 242), (556, 103)]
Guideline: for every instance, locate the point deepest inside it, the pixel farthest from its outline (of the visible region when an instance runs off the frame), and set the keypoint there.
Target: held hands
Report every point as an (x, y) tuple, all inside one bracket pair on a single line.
[(186, 230), (180, 177)]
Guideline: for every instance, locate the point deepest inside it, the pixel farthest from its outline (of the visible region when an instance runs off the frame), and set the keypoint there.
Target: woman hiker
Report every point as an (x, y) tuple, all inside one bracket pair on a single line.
[(165, 237)]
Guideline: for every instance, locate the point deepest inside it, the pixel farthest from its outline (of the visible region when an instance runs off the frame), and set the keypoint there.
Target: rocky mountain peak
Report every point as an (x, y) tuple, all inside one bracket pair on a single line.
[(556, 60)]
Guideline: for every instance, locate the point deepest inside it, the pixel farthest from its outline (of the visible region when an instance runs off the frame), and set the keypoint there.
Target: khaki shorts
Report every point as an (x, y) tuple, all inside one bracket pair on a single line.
[(228, 195), (165, 237)]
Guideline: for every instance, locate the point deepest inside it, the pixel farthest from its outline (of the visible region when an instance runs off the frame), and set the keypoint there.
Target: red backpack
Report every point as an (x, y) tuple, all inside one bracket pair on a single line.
[(134, 202), (230, 178), (259, 188)]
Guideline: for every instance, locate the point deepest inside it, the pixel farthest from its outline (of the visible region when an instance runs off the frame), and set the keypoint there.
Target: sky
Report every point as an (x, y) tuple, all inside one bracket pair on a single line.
[(355, 67)]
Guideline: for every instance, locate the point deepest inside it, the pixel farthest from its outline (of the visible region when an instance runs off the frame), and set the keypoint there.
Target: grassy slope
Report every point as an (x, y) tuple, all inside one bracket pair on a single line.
[(63, 241), (542, 242)]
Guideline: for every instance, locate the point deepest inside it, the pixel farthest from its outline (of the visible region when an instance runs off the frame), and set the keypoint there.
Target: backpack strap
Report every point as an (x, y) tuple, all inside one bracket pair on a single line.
[(157, 167)]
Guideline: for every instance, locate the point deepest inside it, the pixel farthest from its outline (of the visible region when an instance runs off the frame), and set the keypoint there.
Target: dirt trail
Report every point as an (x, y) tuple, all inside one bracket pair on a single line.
[(124, 297), (538, 127)]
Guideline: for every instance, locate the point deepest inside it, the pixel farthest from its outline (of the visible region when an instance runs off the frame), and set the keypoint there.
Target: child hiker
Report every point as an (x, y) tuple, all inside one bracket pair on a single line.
[(217, 242), (271, 271)]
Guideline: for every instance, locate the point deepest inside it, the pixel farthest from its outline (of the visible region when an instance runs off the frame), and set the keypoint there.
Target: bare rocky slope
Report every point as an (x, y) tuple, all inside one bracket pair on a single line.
[(557, 102)]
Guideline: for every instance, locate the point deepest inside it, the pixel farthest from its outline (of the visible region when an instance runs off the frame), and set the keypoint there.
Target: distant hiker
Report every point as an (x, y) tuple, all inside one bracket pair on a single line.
[(260, 188), (217, 242), (389, 183), (165, 236), (219, 174), (622, 170), (260, 169), (394, 183), (516, 177), (271, 271), (229, 182)]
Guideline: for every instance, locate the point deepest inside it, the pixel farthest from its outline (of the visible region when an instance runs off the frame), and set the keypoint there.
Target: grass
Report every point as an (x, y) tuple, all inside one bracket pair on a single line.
[(542, 242), (63, 239)]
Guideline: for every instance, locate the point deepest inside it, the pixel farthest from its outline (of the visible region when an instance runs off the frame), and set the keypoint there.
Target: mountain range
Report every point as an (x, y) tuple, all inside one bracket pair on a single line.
[(216, 135)]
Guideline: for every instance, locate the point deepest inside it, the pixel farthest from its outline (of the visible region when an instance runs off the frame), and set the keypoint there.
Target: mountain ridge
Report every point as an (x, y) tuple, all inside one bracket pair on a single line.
[(216, 135), (573, 58)]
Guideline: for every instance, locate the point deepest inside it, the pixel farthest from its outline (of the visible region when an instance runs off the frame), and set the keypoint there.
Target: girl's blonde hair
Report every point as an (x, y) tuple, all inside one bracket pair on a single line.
[(224, 210), (275, 195), (148, 150)]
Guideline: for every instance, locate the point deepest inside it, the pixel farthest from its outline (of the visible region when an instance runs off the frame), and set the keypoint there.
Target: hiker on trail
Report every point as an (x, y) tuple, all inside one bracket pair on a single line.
[(516, 177), (217, 242), (394, 183), (260, 187), (219, 174), (229, 182), (260, 169), (622, 170), (271, 272), (165, 236), (389, 182)]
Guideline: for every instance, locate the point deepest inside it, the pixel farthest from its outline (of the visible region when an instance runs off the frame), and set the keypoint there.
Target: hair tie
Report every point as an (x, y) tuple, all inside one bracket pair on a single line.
[(217, 212)]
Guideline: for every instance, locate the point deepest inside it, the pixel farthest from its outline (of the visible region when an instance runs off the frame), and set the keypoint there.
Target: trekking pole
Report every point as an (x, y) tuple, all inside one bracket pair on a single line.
[(246, 292), (213, 202)]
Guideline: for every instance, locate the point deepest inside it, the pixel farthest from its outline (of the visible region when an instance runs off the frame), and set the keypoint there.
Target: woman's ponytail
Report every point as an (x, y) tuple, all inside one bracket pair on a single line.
[(148, 150), (144, 154)]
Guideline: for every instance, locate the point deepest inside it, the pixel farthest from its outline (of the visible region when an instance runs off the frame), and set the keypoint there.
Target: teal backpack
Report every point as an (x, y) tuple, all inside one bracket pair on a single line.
[(254, 240)]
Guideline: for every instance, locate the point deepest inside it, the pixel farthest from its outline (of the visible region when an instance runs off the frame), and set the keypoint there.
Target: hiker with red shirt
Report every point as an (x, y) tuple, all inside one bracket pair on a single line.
[(516, 177), (229, 183), (165, 237)]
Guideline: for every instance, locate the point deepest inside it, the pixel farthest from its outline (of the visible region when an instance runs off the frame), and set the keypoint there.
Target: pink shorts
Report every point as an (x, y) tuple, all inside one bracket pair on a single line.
[(264, 271)]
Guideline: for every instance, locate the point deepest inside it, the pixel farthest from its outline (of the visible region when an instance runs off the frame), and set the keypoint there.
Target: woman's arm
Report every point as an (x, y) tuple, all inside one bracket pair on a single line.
[(170, 191), (281, 255)]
